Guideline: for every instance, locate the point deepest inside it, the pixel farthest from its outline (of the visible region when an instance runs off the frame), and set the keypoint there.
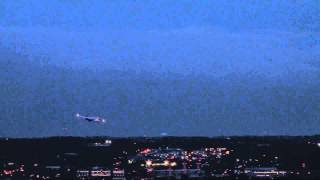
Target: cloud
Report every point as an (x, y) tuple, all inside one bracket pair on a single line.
[(199, 50)]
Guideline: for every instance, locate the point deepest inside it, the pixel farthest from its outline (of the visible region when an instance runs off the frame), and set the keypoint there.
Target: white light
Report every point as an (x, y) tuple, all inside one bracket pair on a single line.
[(173, 164), (148, 163), (166, 163), (318, 144)]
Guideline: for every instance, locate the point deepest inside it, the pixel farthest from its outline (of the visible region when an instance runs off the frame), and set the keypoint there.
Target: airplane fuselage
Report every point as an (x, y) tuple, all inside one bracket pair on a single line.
[(91, 119)]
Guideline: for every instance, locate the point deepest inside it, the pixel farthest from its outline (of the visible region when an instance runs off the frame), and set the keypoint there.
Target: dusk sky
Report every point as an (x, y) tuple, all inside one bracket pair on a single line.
[(184, 68)]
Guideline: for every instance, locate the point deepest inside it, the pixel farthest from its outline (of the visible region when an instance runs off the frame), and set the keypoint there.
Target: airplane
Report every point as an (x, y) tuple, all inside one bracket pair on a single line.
[(91, 119)]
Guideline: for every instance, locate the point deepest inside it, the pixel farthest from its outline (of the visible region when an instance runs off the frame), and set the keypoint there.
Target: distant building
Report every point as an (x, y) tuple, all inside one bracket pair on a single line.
[(118, 174), (100, 172), (83, 174), (106, 143), (53, 171), (266, 172), (178, 173), (95, 172)]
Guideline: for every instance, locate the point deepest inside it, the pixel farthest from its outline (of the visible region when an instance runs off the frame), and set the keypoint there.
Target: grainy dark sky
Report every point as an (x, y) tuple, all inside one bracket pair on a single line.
[(195, 68)]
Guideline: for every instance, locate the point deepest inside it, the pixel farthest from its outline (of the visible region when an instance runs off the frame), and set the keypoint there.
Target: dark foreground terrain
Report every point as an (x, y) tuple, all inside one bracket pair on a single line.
[(161, 158)]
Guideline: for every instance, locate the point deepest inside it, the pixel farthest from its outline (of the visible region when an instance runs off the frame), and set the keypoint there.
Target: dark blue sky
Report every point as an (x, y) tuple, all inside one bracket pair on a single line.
[(185, 67)]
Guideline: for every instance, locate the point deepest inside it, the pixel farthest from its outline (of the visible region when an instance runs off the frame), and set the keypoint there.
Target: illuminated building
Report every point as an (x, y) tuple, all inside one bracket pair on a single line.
[(118, 174), (106, 143), (83, 174), (269, 172)]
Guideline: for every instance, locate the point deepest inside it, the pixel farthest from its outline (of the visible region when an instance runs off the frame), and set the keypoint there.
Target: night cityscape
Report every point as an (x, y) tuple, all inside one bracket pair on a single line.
[(160, 89), (161, 158)]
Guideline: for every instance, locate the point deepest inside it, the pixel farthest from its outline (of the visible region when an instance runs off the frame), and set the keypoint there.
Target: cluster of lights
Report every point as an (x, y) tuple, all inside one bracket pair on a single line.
[(165, 163), (265, 172), (218, 151), (12, 171)]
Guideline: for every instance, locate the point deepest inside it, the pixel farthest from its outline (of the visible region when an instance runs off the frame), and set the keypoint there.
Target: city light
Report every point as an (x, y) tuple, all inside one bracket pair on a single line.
[(143, 161)]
